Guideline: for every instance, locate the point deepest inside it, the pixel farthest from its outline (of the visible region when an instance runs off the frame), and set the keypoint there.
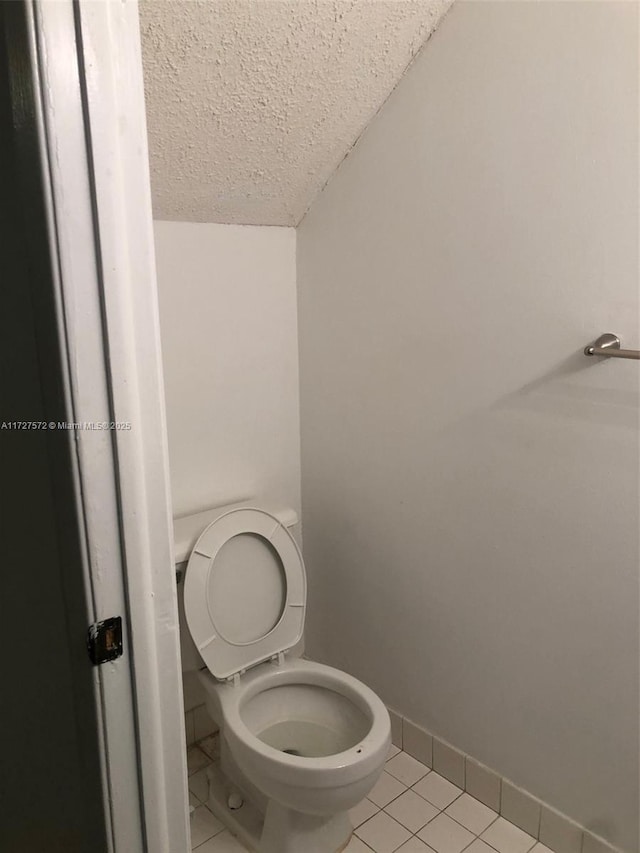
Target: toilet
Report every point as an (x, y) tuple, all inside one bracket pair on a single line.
[(301, 743)]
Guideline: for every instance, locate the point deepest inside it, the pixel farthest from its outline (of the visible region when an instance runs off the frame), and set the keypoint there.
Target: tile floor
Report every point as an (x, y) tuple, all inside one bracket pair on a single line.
[(411, 810)]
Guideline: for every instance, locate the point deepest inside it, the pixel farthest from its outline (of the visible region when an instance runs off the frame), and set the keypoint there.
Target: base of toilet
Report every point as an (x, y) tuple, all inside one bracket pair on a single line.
[(280, 830), (245, 823), (286, 831)]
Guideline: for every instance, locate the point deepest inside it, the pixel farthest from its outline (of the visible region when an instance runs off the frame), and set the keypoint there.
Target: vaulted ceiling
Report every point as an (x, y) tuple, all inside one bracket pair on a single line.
[(252, 104)]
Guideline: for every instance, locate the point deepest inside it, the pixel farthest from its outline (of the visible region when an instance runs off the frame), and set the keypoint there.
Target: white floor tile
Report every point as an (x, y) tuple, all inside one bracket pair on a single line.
[(507, 838), (471, 813), (411, 811), (222, 843), (199, 785), (357, 846), (193, 800), (445, 835), (406, 769), (393, 750), (414, 845), (540, 848), (479, 846), (382, 833), (437, 790), (211, 746), (196, 760), (363, 811), (387, 788), (203, 826)]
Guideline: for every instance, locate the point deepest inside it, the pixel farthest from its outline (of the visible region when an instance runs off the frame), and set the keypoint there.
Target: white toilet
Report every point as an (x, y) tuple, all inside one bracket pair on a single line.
[(301, 743)]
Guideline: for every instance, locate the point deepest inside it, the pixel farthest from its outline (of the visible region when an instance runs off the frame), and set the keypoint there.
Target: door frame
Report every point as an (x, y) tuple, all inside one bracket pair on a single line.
[(87, 74)]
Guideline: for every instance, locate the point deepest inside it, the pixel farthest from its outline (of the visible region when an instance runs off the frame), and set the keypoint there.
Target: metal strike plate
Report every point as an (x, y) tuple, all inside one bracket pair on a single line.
[(104, 640)]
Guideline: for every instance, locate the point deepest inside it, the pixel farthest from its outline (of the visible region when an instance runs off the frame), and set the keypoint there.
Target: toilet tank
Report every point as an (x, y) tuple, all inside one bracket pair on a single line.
[(188, 528), (186, 531)]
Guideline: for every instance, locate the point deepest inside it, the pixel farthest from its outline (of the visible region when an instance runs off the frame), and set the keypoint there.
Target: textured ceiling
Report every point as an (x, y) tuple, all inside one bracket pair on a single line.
[(252, 104)]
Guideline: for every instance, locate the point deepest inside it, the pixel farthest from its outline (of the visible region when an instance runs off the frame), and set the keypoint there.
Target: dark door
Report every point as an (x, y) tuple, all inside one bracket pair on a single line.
[(51, 798)]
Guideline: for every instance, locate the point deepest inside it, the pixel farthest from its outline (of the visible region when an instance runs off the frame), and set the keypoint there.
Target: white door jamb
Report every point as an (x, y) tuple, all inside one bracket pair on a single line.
[(88, 75)]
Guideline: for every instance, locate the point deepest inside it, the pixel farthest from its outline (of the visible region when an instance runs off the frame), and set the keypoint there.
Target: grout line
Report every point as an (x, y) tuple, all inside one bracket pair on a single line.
[(383, 809), (476, 836), (539, 827), (585, 832)]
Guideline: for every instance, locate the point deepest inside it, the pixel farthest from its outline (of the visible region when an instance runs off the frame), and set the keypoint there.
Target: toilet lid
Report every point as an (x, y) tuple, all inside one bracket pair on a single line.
[(244, 591)]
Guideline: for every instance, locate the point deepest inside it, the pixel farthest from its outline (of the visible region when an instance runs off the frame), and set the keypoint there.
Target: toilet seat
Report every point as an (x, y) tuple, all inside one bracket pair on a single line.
[(245, 591)]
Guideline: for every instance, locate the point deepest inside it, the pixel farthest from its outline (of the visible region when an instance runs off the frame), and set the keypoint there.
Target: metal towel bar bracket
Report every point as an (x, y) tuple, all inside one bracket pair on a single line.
[(608, 345)]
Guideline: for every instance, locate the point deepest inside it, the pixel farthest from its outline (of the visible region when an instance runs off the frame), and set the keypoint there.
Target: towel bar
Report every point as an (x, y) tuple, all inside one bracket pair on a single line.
[(608, 345)]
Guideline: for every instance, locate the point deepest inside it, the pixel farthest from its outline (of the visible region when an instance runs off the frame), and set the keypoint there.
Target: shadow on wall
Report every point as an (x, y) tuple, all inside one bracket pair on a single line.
[(578, 400)]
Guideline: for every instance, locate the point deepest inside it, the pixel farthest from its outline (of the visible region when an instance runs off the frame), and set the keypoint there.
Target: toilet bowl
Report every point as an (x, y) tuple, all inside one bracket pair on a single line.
[(301, 742)]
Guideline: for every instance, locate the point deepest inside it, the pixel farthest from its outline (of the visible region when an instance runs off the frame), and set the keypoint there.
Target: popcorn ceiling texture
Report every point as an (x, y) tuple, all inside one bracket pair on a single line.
[(252, 104)]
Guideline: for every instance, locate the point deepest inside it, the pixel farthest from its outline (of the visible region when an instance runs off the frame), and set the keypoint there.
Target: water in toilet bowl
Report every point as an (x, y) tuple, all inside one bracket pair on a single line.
[(306, 739)]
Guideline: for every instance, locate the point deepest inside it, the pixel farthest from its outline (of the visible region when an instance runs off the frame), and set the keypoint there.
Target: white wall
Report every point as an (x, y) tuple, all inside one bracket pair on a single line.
[(470, 479), (229, 343)]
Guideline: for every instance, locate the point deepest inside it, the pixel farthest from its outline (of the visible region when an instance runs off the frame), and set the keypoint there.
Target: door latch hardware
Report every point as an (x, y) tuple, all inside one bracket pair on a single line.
[(104, 640)]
